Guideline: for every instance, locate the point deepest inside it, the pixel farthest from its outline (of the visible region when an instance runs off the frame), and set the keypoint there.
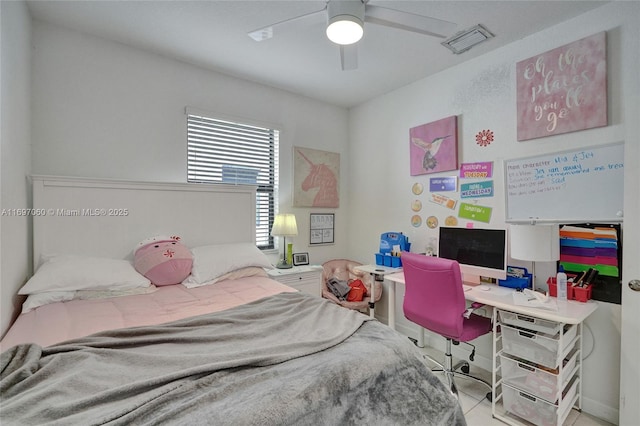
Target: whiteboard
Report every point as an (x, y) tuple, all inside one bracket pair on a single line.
[(581, 185)]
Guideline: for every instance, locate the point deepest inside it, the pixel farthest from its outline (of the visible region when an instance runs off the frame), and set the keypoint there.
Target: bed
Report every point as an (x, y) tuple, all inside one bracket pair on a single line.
[(240, 349)]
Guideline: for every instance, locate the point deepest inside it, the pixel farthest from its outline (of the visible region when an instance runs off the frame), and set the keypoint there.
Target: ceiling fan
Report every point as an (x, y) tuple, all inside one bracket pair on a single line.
[(345, 25)]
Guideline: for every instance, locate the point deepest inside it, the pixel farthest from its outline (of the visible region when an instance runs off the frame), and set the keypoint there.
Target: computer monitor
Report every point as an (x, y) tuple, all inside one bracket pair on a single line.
[(480, 252)]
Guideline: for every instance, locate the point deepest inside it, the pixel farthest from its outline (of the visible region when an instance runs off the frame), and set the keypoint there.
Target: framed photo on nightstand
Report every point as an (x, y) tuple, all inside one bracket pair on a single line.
[(300, 259)]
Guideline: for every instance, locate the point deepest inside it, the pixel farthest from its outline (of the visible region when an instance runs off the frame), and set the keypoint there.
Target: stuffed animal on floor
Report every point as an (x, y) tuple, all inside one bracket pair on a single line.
[(163, 260)]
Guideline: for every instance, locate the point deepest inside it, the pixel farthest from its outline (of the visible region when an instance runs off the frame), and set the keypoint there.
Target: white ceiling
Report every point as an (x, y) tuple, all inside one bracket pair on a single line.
[(213, 34)]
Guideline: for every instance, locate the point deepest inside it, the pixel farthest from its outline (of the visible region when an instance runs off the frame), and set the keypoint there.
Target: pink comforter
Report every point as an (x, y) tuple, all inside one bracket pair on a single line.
[(62, 321)]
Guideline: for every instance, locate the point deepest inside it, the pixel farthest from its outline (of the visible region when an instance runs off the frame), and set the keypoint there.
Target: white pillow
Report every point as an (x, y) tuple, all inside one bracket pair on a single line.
[(109, 293), (46, 297), (210, 262), (73, 272), (39, 299), (249, 271)]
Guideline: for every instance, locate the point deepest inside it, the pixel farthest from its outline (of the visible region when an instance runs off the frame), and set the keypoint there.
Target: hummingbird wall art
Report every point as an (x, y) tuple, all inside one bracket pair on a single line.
[(433, 147)]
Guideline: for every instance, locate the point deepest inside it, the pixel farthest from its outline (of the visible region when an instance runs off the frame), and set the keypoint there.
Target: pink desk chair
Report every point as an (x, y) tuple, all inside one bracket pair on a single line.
[(434, 299)]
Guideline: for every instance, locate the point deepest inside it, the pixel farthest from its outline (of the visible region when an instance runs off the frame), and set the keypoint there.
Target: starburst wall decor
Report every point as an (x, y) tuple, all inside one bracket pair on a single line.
[(484, 137)]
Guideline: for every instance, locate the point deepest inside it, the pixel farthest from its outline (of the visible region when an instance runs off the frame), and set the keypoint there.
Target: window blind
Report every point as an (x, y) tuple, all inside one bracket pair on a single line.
[(220, 151)]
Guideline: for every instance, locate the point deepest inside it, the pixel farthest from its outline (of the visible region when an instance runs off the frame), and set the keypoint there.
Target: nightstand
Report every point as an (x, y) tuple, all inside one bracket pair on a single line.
[(306, 278)]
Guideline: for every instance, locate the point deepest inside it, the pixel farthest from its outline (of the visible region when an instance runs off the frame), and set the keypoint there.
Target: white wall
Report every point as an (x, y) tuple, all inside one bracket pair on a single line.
[(481, 92), (15, 154), (104, 109)]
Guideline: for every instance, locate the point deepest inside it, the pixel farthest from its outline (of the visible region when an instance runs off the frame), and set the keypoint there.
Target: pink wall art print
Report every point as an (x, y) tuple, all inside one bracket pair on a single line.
[(563, 90), (433, 147), (316, 177)]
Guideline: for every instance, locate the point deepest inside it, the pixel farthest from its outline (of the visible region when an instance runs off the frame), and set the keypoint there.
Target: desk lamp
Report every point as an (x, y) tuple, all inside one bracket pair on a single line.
[(284, 226), (535, 243)]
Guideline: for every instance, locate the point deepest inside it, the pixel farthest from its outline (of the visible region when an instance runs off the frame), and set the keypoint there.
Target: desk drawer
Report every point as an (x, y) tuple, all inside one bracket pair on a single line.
[(537, 410), (539, 382), (537, 347), (530, 323)]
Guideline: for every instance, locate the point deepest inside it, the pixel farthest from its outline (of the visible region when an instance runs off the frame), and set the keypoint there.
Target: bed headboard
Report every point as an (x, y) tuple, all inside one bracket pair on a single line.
[(107, 218)]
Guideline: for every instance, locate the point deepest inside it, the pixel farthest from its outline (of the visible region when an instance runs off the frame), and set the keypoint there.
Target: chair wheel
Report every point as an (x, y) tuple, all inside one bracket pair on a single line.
[(465, 369), (489, 396)]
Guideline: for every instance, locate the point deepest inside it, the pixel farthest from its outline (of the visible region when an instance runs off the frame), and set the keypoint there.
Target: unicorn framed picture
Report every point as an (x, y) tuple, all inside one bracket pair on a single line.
[(316, 177)]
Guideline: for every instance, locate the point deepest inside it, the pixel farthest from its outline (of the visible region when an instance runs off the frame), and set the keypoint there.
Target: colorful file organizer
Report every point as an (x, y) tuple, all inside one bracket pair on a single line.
[(583, 248), (597, 247)]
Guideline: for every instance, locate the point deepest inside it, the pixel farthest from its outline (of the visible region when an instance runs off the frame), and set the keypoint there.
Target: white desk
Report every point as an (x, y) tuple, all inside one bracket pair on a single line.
[(379, 272), (501, 298), (569, 312)]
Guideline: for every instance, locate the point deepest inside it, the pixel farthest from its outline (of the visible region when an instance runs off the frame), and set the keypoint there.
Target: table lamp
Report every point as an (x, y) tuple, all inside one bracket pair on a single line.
[(535, 243), (285, 226)]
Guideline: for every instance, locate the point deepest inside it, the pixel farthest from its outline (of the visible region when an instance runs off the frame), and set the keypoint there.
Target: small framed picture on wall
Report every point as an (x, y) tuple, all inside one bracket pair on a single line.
[(322, 228), (300, 259)]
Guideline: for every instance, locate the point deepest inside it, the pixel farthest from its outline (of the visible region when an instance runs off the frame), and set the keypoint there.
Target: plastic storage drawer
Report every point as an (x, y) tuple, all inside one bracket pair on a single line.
[(537, 347), (540, 383), (537, 410), (530, 323)]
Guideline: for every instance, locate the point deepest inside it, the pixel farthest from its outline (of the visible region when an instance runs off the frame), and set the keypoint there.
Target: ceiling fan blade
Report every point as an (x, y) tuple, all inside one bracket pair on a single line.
[(349, 57), (288, 25), (409, 21)]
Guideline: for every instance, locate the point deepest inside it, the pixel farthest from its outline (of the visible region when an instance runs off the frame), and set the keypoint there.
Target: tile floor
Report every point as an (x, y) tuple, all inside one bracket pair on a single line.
[(477, 409)]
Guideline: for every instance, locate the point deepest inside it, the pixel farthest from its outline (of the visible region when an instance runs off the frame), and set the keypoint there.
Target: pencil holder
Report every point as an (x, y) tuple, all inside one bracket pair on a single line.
[(553, 288), (582, 294)]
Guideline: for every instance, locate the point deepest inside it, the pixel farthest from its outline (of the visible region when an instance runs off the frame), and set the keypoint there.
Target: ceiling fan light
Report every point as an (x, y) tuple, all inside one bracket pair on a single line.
[(345, 29)]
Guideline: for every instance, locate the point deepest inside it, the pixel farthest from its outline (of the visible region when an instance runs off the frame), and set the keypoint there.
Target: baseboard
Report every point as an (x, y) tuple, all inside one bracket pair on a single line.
[(601, 411)]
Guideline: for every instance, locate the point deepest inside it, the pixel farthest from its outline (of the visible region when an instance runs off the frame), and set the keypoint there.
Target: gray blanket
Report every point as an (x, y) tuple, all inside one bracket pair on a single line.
[(289, 359)]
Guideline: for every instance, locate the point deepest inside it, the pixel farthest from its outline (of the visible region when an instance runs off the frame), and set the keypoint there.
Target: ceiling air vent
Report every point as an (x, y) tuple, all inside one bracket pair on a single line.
[(465, 40)]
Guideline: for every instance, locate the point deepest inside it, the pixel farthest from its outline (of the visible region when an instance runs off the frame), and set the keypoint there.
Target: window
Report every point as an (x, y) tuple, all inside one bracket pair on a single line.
[(220, 151)]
